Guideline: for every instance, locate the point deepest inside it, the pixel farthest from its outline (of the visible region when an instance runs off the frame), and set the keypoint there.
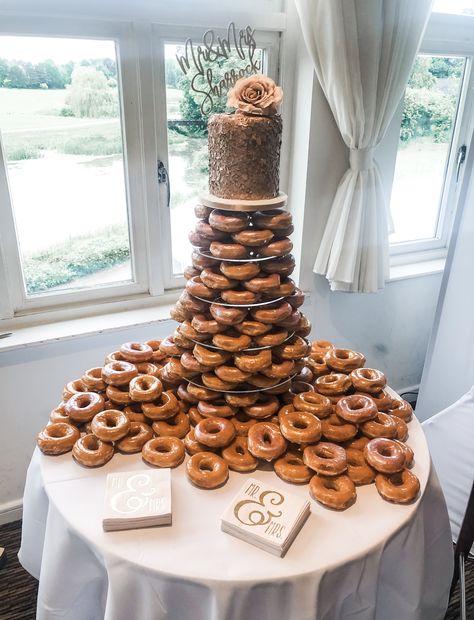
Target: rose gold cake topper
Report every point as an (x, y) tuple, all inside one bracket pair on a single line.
[(197, 60), (257, 94)]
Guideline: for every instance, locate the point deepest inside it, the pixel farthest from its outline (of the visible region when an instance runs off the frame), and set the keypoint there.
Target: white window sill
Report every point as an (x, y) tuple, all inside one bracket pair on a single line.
[(36, 335), (416, 269)]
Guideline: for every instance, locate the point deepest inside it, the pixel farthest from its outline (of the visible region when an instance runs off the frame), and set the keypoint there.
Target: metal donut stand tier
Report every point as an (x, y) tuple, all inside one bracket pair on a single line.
[(246, 206)]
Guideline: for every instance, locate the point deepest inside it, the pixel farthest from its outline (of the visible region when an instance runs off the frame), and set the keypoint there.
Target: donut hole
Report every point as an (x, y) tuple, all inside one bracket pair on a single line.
[(341, 354), (205, 466), (82, 402), (300, 424), (267, 438), (56, 432), (294, 461), (110, 421), (367, 373), (162, 449), (385, 451), (134, 432), (91, 443), (357, 405), (396, 479), (213, 429), (330, 484), (240, 450)]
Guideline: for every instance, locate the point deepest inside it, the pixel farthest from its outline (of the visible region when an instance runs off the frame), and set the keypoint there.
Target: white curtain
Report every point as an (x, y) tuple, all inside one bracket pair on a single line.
[(362, 52)]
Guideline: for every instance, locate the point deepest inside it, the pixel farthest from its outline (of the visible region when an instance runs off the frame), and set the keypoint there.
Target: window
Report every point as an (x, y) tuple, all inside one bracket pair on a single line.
[(430, 112), (94, 117)]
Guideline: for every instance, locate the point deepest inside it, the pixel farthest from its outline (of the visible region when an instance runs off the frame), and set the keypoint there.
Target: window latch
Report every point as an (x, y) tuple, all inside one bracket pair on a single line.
[(163, 177), (461, 156)]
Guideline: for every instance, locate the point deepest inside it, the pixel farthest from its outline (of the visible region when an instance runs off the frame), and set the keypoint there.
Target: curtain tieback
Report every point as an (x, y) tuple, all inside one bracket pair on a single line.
[(361, 159)]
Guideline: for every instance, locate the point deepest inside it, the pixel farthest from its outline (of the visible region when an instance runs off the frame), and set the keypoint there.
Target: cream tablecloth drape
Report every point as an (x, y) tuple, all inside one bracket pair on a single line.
[(373, 561)]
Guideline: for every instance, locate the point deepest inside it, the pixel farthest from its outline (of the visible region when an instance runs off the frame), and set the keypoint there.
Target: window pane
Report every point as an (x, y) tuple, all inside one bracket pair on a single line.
[(459, 7), (187, 145), (430, 107), (62, 138)]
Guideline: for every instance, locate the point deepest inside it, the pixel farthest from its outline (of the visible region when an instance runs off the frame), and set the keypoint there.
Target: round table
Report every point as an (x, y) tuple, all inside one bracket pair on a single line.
[(374, 560)]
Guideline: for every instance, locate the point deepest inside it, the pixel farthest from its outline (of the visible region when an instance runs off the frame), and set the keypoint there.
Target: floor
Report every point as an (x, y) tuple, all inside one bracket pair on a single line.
[(20, 604)]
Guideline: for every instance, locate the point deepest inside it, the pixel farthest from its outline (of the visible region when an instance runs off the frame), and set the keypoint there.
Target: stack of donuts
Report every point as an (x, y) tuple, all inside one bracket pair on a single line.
[(334, 426)]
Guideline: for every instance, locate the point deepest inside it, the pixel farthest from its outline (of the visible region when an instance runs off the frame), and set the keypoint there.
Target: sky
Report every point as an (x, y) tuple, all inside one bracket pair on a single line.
[(37, 49)]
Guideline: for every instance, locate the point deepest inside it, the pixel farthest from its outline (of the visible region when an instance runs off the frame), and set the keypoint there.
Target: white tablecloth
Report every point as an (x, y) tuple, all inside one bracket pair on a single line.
[(373, 561)]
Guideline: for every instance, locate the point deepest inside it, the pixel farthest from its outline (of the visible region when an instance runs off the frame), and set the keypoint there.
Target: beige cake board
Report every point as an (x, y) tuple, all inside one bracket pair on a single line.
[(235, 204)]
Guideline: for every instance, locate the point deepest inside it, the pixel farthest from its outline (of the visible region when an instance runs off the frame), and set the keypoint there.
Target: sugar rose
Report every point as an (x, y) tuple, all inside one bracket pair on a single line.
[(257, 94)]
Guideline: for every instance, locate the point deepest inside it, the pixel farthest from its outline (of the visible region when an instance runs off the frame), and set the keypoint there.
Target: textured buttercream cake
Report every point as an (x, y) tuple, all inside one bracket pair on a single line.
[(244, 155), (244, 147)]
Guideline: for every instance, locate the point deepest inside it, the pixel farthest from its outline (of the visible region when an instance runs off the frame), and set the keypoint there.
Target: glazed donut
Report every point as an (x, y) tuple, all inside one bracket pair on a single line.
[(356, 408), (409, 454), (344, 360), (314, 403), (296, 387), (358, 443), (227, 315), (279, 247), (238, 457), (189, 362), (266, 406), (208, 232), (335, 429), (275, 219), (384, 455), (240, 271), (147, 368), (213, 382), (295, 348), (83, 406), (134, 413), (253, 361), (357, 468), (273, 338), (216, 280), (241, 400), (178, 426), (202, 393), (167, 409), (318, 365), (214, 432), (231, 341), (261, 381), (163, 452), (216, 409), (204, 325), (136, 352), (382, 400), (119, 373), (138, 435), (228, 250), (173, 370), (193, 446), (291, 468), (242, 423), (89, 451), (300, 427), (192, 304), (239, 297), (118, 395), (265, 441), (272, 313), (185, 396), (178, 313), (201, 212), (263, 283), (304, 327), (325, 458), (210, 357), (287, 287), (194, 416), (333, 384), (201, 261), (198, 241), (305, 376), (401, 409), (195, 286), (228, 222), (58, 414), (381, 426), (92, 379), (399, 488), (232, 374), (279, 370), (190, 272), (145, 388), (252, 328), (336, 492), (206, 470), (57, 438), (181, 341), (402, 428), (110, 425), (283, 265), (368, 380), (253, 237), (291, 321), (158, 355), (115, 356)]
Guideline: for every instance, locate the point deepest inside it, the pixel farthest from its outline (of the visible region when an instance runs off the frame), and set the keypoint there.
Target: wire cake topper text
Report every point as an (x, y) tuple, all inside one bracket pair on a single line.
[(195, 61)]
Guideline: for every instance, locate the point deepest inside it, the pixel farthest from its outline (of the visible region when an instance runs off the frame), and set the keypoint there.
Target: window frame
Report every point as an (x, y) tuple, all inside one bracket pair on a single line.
[(446, 36)]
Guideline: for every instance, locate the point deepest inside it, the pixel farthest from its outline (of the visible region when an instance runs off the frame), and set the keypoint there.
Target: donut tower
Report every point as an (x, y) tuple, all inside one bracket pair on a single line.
[(237, 383), (241, 338)]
